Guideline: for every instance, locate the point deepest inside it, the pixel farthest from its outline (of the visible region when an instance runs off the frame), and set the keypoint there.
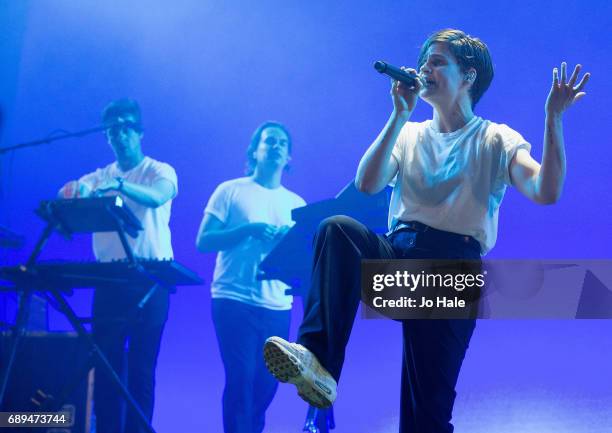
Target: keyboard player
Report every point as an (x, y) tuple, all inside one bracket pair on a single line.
[(148, 187)]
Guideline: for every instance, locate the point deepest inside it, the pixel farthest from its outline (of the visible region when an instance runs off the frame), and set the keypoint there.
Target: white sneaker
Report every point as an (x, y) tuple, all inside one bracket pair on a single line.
[(293, 363)]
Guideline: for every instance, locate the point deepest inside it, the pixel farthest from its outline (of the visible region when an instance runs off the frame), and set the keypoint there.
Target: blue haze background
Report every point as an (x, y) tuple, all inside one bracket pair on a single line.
[(208, 72)]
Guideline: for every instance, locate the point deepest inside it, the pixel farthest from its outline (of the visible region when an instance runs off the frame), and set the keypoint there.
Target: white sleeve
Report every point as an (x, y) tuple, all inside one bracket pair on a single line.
[(299, 202), (398, 152), (511, 142), (400, 144), (166, 172), (219, 203)]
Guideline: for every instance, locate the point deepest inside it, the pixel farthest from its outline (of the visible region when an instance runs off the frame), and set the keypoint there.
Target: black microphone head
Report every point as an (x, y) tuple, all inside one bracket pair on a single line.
[(380, 66)]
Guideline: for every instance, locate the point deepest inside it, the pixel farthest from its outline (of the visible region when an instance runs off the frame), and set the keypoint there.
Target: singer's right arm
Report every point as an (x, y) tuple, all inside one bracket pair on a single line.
[(377, 167)]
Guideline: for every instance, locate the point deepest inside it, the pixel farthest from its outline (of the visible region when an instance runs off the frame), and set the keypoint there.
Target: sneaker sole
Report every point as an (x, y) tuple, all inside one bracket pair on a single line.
[(286, 368)]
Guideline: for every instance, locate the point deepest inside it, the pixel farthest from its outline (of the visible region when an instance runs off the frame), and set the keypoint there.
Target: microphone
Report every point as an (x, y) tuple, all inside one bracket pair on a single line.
[(396, 73)]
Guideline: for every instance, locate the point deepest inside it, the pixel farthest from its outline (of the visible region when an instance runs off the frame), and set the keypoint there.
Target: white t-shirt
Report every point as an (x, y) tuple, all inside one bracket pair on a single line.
[(240, 201), (154, 241), (454, 181)]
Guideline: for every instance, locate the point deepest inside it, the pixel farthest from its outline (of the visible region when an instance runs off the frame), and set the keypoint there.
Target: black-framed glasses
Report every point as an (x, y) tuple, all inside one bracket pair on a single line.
[(122, 127)]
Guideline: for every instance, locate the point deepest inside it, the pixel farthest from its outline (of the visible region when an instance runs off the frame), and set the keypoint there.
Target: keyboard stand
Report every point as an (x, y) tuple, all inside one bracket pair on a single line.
[(74, 216)]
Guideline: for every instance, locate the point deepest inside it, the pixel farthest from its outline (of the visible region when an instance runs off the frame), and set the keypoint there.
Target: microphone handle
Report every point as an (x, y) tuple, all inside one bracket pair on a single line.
[(395, 73)]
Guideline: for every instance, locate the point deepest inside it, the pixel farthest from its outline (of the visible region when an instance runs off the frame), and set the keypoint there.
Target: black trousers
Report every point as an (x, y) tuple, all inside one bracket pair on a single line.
[(117, 321), (433, 349), (242, 330)]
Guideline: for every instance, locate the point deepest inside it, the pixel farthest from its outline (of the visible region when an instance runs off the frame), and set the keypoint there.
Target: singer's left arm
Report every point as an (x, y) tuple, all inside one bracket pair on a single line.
[(543, 183)]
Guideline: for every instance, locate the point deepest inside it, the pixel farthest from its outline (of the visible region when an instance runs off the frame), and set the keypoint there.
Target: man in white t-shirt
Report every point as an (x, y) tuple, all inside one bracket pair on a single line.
[(148, 187), (243, 221), (451, 173)]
